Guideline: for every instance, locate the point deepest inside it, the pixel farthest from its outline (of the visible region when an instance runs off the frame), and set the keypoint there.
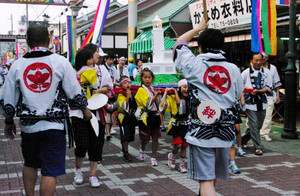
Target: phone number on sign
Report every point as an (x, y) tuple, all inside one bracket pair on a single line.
[(227, 23)]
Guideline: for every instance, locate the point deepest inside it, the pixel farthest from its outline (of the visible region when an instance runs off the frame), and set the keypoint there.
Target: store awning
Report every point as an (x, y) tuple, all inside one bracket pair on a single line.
[(143, 42)]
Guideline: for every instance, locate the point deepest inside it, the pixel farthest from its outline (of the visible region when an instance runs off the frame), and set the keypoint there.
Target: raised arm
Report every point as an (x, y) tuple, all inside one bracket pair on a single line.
[(164, 97), (191, 33)]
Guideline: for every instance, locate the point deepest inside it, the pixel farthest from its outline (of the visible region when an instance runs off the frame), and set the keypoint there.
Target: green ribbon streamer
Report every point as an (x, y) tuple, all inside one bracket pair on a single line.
[(265, 26)]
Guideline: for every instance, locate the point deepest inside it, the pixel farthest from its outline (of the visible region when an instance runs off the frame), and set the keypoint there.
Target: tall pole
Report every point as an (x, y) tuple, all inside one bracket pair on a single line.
[(205, 10), (27, 24), (12, 24), (75, 7), (132, 23), (59, 36), (289, 130)]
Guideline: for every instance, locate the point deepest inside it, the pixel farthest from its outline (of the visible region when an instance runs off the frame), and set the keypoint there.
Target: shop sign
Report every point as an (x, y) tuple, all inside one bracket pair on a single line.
[(222, 13)]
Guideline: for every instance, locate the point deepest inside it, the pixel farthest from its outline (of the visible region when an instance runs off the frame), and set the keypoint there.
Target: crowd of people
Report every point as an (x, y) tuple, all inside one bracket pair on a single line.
[(50, 97)]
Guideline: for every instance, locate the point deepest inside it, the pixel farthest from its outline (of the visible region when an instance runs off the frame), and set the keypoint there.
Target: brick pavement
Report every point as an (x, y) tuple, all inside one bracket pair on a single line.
[(271, 174)]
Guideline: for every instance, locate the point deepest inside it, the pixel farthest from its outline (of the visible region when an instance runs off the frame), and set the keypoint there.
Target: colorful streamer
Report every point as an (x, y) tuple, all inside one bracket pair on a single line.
[(17, 50), (284, 2), (71, 51), (98, 25), (56, 43), (255, 27), (99, 20), (103, 23), (266, 25), (258, 26), (269, 22), (91, 32), (273, 31)]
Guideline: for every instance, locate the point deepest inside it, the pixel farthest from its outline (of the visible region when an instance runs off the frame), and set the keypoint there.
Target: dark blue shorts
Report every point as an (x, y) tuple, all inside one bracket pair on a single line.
[(45, 150)]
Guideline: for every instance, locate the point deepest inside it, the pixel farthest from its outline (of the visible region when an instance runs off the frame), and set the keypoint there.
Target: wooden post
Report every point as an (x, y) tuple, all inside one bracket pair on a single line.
[(205, 10)]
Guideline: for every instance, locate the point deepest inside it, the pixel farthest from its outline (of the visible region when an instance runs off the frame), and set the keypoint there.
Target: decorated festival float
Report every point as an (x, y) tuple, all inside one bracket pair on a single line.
[(163, 66)]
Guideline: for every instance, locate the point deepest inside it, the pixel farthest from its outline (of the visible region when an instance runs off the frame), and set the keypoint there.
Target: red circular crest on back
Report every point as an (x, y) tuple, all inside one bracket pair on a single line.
[(38, 77), (217, 79)]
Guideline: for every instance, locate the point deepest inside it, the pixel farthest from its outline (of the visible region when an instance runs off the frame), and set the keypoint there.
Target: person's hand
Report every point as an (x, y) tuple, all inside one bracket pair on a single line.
[(106, 105), (10, 131), (128, 92), (158, 92), (168, 89), (202, 25), (87, 114), (95, 92), (254, 92), (277, 99)]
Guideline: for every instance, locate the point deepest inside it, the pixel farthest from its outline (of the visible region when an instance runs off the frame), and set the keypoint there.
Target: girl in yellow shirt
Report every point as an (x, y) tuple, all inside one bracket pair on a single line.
[(178, 125), (127, 120), (149, 121)]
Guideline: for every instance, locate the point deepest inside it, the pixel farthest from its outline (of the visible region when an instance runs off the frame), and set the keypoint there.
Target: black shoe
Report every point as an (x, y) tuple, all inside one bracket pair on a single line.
[(163, 128), (108, 137), (127, 157)]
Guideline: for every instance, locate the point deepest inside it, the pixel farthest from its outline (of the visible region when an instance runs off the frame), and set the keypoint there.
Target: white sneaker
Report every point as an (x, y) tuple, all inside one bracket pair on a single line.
[(142, 155), (182, 168), (267, 138), (78, 177), (153, 162), (240, 152), (113, 131), (94, 182), (171, 161)]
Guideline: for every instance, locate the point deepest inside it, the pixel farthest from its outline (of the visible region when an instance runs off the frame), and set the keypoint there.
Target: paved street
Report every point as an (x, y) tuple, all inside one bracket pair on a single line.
[(274, 173)]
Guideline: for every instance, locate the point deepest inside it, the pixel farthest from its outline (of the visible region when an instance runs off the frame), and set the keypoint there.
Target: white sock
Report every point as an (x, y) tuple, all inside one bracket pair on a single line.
[(232, 161), (182, 160)]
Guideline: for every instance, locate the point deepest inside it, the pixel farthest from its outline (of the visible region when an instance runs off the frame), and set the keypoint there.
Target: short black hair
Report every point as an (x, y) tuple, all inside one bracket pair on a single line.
[(255, 53), (211, 40), (137, 61), (92, 47), (110, 56), (37, 35), (145, 70), (81, 58)]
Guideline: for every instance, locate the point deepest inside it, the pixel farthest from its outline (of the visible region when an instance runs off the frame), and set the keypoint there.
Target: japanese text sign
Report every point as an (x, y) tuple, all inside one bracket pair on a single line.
[(222, 13)]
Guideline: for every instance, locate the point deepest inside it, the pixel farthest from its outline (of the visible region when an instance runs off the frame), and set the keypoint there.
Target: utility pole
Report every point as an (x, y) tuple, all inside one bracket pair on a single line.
[(289, 130), (27, 23), (75, 6), (132, 23), (59, 35), (12, 24)]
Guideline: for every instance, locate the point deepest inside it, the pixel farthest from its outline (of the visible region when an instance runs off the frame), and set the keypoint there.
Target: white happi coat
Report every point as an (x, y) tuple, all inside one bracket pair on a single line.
[(125, 72), (275, 81), (38, 87), (104, 77), (248, 83), (210, 77)]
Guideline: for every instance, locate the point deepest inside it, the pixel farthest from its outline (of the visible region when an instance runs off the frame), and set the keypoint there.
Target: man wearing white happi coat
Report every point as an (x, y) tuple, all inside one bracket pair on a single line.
[(271, 97), (211, 79), (38, 88), (257, 79)]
